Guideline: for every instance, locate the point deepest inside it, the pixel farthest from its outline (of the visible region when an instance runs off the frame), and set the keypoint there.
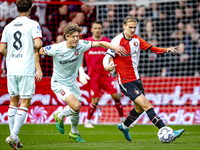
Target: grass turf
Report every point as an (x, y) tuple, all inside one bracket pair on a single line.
[(101, 137)]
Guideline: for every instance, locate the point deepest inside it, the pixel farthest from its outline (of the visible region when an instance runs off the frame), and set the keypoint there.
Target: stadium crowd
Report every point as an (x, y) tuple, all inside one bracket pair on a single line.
[(161, 24)]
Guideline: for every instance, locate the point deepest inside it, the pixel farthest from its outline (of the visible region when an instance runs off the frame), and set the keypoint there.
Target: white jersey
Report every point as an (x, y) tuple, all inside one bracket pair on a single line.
[(19, 36), (66, 61)]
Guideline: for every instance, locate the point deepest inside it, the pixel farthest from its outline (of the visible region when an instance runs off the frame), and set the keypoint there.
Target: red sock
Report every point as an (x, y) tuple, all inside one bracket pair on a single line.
[(91, 110), (119, 107)]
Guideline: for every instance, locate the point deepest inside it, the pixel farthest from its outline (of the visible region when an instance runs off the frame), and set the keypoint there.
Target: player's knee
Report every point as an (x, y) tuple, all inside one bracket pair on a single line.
[(139, 110), (116, 97), (77, 107), (95, 100)]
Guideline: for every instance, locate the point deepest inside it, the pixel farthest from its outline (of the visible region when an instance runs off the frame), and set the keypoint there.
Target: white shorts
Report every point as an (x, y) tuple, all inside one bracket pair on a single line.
[(21, 85), (64, 91)]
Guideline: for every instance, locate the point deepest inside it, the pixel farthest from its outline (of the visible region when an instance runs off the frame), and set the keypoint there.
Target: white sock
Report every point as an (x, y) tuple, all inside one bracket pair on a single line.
[(67, 111), (19, 119), (87, 121), (74, 123), (11, 116), (14, 136), (124, 127)]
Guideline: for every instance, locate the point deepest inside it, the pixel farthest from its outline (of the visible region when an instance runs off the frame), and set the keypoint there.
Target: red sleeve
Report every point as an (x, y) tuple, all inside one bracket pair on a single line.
[(143, 44), (158, 50)]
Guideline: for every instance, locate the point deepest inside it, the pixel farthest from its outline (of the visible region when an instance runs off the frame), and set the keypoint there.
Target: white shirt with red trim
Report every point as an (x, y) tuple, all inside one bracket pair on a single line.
[(19, 36), (126, 66), (66, 61)]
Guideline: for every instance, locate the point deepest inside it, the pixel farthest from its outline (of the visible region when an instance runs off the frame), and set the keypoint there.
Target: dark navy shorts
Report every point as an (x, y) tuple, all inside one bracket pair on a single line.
[(132, 89)]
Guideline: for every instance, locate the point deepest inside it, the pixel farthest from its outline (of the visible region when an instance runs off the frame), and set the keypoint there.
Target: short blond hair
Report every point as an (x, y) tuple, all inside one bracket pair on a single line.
[(71, 28), (129, 19)]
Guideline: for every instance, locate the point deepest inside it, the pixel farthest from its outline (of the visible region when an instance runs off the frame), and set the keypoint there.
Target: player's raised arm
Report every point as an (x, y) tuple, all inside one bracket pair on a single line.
[(118, 49)]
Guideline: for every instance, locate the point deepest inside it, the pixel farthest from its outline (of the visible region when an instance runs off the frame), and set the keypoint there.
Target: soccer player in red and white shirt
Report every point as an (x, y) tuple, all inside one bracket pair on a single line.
[(128, 77), (99, 77)]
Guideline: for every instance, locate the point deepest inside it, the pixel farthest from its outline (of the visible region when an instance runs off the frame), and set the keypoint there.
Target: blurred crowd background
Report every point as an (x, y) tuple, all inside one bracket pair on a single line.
[(162, 24)]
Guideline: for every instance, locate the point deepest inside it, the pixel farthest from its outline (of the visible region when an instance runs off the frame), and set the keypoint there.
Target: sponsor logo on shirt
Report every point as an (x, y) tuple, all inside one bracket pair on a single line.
[(18, 24), (97, 53), (38, 27), (112, 51), (86, 42), (61, 55), (69, 61), (17, 55), (48, 47)]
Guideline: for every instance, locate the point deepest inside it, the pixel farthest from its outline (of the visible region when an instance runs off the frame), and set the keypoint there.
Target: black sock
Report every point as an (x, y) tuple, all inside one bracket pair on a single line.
[(155, 119), (133, 115)]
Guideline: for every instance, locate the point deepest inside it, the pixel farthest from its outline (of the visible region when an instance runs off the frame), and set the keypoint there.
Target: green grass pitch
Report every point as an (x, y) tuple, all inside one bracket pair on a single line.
[(101, 137)]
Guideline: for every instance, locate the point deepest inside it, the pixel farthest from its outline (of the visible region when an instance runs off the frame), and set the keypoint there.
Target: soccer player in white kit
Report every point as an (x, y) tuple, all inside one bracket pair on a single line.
[(67, 58), (17, 44)]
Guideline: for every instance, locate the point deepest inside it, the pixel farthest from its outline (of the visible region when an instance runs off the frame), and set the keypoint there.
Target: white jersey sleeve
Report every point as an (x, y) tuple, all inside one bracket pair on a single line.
[(85, 44), (50, 49)]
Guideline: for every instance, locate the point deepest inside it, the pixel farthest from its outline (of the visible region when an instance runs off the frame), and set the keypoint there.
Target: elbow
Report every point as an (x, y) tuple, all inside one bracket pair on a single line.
[(38, 44)]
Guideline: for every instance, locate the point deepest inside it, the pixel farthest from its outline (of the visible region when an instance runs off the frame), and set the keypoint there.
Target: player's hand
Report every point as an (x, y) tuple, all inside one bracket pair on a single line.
[(172, 49), (110, 67), (120, 50), (38, 75), (83, 77)]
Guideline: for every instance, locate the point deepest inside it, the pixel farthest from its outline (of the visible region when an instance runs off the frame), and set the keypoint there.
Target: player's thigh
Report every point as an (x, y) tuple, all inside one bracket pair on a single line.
[(143, 102), (108, 85), (13, 86), (26, 86), (95, 86), (131, 90)]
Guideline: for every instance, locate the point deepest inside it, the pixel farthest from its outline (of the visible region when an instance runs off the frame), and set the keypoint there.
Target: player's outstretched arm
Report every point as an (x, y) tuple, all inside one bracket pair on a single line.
[(172, 49), (3, 49), (118, 49)]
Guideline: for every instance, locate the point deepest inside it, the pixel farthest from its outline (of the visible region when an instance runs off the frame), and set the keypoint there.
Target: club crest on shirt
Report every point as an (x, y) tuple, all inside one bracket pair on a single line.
[(136, 92), (135, 43), (76, 53), (62, 92)]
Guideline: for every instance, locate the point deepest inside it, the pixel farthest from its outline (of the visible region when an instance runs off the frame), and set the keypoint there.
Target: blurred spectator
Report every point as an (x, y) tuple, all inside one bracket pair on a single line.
[(163, 25), (153, 10), (61, 14), (79, 18), (149, 65), (111, 24), (59, 39), (189, 12), (149, 32), (46, 33), (180, 64), (90, 16), (61, 27), (41, 11), (133, 11), (141, 17), (7, 10)]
